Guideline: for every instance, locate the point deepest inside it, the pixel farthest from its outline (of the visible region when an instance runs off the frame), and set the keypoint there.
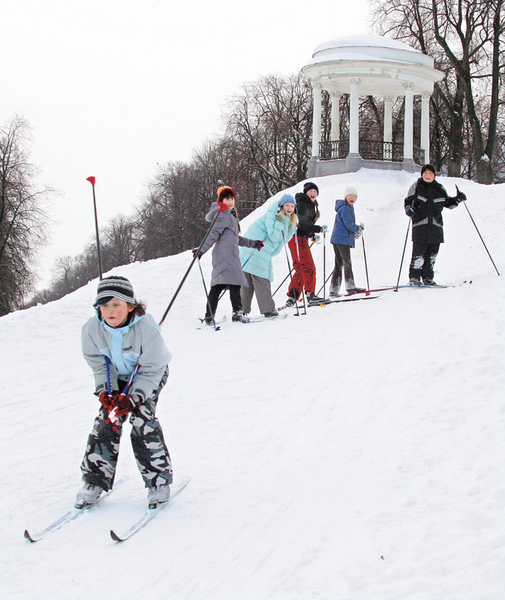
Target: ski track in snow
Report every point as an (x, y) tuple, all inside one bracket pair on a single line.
[(353, 453)]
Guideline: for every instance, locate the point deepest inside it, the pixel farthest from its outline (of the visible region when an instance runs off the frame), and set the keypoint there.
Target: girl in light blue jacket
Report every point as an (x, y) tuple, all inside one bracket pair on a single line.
[(275, 228)]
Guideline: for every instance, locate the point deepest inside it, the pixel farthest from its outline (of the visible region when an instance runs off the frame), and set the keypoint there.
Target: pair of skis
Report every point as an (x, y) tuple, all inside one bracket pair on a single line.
[(339, 299), (371, 294), (261, 319), (75, 512)]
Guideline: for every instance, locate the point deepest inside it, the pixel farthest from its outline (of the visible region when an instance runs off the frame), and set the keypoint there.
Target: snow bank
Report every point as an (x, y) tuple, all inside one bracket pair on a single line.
[(353, 453)]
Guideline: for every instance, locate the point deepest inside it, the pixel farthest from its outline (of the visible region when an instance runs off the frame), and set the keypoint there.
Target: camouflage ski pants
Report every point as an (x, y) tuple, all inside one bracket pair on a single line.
[(153, 460)]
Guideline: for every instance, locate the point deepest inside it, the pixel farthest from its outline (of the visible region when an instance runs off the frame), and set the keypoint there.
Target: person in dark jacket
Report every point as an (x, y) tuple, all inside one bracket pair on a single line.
[(424, 204), (345, 231), (305, 270)]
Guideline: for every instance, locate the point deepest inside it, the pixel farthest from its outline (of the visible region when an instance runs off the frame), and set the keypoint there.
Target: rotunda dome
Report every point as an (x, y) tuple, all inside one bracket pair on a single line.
[(382, 64)]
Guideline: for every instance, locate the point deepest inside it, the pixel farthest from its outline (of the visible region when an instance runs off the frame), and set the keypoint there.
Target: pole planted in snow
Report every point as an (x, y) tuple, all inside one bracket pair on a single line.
[(481, 238), (92, 181), (196, 256), (403, 254), (366, 265)]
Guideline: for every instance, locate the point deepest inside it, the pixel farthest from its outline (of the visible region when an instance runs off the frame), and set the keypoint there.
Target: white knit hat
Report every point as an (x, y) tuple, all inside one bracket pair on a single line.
[(350, 190)]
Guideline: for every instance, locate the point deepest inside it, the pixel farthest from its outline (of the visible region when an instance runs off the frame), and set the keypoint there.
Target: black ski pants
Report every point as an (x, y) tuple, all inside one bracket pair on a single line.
[(214, 294), (422, 263), (342, 261)]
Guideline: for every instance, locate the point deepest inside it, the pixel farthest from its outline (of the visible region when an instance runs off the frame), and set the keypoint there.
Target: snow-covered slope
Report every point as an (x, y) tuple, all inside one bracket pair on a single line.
[(353, 453)]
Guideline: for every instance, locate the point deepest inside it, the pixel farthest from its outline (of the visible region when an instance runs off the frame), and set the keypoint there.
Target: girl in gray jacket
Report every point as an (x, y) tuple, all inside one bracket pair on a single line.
[(226, 268), (129, 359)]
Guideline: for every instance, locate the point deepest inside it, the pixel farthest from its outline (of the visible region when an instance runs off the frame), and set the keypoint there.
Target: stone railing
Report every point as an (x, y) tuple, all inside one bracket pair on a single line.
[(369, 150)]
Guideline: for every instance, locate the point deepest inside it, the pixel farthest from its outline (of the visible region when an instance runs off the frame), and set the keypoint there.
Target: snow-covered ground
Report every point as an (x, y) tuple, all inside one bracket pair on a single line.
[(354, 453)]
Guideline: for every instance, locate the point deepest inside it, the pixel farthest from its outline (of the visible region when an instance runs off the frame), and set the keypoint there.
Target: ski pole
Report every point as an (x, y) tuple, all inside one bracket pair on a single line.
[(208, 299), (324, 264), (249, 258), (401, 263), (290, 272), (195, 257), (477, 229), (92, 181), (285, 278), (366, 267), (326, 281), (242, 267), (301, 274), (283, 281)]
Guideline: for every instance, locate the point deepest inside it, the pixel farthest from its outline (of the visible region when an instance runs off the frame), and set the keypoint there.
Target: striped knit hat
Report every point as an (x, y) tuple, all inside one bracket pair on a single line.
[(114, 287)]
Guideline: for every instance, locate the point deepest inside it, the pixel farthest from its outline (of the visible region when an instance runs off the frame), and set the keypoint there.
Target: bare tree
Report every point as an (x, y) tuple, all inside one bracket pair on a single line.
[(118, 246), (270, 124), (466, 39), (22, 218)]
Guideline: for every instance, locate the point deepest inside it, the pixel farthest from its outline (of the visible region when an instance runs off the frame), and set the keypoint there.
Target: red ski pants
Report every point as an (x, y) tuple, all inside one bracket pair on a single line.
[(305, 269)]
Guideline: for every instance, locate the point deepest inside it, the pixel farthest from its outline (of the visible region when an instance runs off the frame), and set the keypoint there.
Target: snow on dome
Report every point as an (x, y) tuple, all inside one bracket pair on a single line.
[(369, 48), (358, 41)]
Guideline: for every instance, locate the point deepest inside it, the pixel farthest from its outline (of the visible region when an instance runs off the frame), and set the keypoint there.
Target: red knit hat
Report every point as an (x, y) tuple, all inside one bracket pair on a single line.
[(224, 191)]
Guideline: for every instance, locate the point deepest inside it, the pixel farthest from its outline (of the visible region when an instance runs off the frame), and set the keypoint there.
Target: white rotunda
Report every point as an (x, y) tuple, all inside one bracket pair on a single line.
[(369, 65)]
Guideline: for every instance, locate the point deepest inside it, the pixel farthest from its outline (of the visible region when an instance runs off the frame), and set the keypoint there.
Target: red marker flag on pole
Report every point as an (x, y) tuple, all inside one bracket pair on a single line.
[(91, 180)]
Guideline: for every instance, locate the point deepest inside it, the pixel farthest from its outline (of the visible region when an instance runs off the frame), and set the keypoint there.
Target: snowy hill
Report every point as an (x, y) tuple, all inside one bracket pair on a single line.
[(353, 453)]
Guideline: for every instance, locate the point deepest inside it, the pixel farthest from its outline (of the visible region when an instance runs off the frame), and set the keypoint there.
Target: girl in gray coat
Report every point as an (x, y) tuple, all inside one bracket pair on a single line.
[(226, 269)]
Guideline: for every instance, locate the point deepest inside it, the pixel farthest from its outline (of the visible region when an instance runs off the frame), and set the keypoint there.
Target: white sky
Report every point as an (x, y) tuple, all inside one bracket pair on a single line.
[(111, 88)]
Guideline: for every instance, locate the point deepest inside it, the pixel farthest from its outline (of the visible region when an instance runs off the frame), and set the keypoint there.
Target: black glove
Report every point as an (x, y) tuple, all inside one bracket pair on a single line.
[(460, 196), (409, 210), (259, 245)]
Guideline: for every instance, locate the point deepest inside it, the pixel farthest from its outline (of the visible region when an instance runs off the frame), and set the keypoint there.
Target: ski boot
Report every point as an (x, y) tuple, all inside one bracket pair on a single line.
[(158, 495), (87, 495), (239, 317), (313, 299)]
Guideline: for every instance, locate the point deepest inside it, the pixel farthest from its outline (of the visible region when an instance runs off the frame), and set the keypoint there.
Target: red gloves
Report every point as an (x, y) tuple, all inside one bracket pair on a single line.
[(118, 405), (222, 206), (106, 400), (123, 405)]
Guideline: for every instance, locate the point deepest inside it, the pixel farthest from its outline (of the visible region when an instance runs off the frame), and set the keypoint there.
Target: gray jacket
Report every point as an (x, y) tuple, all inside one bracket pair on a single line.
[(226, 267), (138, 342)]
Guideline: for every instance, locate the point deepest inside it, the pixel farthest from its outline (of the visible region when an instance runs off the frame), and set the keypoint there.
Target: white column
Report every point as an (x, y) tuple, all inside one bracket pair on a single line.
[(316, 119), (388, 119), (425, 126), (354, 117), (388, 127), (408, 126), (335, 116)]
